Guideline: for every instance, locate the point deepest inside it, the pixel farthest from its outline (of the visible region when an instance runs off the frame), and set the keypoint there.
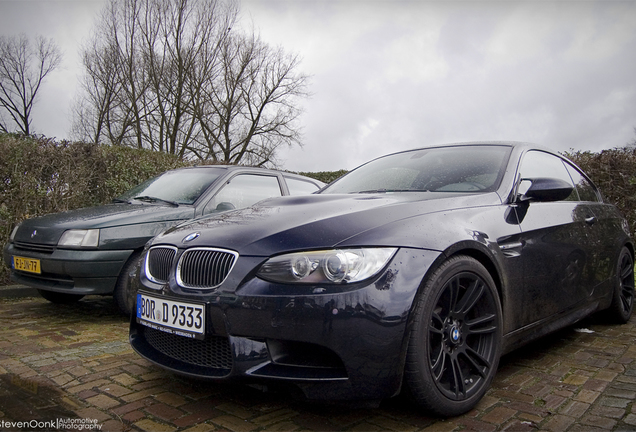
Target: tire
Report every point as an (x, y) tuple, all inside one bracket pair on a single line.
[(620, 311), (124, 293), (455, 342), (60, 298)]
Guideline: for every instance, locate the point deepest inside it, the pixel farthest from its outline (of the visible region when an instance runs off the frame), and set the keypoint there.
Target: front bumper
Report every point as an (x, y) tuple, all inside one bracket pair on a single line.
[(81, 272), (340, 345)]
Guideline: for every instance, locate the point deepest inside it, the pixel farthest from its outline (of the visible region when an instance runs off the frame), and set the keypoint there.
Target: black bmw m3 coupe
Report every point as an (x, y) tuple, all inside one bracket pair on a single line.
[(418, 269)]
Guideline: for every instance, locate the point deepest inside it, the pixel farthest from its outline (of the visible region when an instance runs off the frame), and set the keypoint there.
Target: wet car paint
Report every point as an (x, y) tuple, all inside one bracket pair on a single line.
[(358, 333)]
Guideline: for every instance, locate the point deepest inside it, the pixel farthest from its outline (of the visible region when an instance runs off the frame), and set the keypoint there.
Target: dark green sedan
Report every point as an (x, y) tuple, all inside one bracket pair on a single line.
[(93, 250)]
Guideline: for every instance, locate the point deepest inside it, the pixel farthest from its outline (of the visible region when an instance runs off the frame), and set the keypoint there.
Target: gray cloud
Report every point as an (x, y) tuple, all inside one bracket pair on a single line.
[(392, 75), (408, 74)]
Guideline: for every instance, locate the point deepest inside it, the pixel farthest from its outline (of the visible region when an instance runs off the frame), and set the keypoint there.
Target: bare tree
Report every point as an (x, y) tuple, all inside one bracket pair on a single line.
[(140, 68), (99, 101), (632, 143), (114, 83), (250, 111), (173, 76), (23, 68)]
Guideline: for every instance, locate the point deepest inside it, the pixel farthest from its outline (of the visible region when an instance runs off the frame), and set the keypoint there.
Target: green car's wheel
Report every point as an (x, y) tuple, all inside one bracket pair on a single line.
[(124, 293)]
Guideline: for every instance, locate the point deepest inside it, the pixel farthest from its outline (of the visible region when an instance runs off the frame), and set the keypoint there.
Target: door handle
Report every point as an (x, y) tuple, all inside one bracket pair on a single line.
[(591, 220)]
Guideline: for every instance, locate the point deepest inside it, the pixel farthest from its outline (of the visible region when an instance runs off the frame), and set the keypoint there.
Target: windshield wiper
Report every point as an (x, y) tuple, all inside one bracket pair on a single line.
[(155, 199), (390, 190), (120, 200)]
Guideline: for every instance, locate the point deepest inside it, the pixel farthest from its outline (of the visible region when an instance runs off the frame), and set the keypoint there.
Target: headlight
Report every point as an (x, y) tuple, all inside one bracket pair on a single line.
[(79, 238), (13, 233), (326, 266)]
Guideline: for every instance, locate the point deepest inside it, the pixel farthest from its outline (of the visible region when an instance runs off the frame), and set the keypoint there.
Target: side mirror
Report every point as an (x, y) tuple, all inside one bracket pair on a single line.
[(547, 189), (224, 206)]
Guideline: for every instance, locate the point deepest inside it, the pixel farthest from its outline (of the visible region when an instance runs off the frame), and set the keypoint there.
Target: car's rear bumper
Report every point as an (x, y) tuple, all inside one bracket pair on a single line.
[(81, 272)]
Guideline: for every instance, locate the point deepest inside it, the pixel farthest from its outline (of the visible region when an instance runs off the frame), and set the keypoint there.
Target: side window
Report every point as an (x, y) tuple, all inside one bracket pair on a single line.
[(587, 191), (243, 191), (536, 164), (300, 187)]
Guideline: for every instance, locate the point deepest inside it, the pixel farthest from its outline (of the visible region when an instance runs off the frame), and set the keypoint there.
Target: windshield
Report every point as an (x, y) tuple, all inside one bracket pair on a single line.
[(180, 187), (473, 168)]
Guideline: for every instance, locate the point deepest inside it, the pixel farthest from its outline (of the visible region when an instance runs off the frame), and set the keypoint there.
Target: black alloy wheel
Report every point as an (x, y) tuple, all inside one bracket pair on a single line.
[(623, 298), (455, 344)]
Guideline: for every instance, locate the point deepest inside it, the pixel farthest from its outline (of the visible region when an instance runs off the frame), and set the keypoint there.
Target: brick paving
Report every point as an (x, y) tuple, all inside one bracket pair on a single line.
[(74, 362)]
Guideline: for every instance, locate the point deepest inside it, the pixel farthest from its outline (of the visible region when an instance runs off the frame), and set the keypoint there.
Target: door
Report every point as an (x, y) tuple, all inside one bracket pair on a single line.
[(558, 255), (242, 191)]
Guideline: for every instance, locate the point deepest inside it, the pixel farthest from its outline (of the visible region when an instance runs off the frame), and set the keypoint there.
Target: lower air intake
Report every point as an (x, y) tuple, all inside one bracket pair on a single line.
[(213, 352)]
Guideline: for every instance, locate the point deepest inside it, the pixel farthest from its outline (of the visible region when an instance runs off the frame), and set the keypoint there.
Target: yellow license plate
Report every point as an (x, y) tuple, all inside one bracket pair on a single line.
[(30, 265)]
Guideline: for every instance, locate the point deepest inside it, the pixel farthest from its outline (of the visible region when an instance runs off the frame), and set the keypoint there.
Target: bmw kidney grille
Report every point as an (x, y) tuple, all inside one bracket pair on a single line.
[(201, 268), (159, 263), (204, 267)]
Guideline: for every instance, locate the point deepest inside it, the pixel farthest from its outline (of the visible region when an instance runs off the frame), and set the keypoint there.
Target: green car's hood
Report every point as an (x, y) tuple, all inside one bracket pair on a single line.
[(48, 229)]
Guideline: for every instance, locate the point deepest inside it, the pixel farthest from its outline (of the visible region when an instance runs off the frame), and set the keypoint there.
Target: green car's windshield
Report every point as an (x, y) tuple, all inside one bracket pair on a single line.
[(174, 187), (465, 168)]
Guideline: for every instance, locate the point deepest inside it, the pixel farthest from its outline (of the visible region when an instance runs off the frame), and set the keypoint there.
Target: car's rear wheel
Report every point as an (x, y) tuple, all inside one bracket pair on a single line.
[(623, 300), (124, 294), (455, 343), (60, 298)]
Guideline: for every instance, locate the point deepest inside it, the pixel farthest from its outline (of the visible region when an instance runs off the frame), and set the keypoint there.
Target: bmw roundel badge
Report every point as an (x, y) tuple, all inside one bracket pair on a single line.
[(455, 335), (191, 237)]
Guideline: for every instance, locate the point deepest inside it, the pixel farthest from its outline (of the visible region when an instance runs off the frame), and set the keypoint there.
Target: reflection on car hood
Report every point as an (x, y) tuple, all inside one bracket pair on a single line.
[(315, 221), (50, 227)]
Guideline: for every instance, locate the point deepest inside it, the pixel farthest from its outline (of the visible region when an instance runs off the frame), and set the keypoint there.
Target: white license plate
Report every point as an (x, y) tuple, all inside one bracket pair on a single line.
[(175, 317)]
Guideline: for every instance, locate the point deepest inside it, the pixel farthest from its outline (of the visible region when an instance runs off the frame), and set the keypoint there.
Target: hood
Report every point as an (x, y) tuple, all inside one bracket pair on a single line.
[(50, 227), (319, 221)]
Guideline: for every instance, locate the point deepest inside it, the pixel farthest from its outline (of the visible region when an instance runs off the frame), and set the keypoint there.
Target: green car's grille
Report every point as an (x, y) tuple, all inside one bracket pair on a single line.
[(35, 247)]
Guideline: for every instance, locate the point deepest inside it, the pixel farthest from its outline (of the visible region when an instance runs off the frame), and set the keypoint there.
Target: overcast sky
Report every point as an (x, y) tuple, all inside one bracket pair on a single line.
[(392, 75)]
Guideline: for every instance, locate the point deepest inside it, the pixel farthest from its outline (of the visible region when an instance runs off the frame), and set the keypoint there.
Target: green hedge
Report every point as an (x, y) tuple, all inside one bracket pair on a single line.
[(614, 172), (325, 176), (41, 176)]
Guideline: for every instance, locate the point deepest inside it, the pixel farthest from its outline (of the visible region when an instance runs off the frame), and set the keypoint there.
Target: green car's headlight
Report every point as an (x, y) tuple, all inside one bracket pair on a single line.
[(326, 266), (77, 238), (13, 233)]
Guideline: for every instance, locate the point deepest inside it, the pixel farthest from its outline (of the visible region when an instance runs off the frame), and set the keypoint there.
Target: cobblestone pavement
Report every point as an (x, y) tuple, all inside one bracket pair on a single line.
[(60, 364)]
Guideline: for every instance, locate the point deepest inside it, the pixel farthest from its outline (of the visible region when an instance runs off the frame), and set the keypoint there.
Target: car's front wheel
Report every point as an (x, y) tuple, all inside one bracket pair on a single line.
[(455, 343), (124, 294), (60, 298)]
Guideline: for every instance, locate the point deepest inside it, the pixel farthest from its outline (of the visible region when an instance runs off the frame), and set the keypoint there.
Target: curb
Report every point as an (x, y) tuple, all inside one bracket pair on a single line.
[(18, 291)]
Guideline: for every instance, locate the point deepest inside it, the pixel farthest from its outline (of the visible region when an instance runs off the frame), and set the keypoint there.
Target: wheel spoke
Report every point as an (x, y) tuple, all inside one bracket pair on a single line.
[(436, 319), (627, 297), (627, 271), (453, 291), (478, 362), (626, 302), (458, 378), (627, 283), (473, 293), (477, 326), (438, 365)]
